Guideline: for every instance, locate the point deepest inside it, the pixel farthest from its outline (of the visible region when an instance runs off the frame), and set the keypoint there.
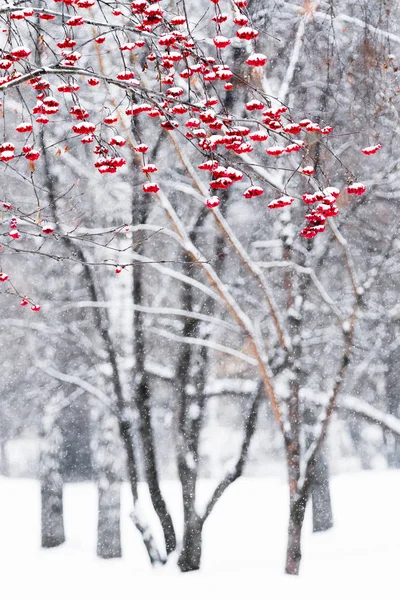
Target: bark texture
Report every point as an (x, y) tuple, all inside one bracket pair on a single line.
[(51, 490), (108, 524)]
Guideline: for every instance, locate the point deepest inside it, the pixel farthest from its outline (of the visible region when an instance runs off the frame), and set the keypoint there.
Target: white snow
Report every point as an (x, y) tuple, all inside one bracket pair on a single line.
[(243, 546)]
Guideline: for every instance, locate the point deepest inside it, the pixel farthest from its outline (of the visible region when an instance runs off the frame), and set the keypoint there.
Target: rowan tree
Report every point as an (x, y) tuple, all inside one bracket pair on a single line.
[(101, 87)]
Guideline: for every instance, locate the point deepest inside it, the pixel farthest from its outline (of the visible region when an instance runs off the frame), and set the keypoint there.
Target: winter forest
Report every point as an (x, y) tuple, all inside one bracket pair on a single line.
[(199, 298)]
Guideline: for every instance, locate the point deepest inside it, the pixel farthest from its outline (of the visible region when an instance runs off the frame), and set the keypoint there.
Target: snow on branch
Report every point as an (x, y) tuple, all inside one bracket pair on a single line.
[(153, 310), (79, 382), (203, 342)]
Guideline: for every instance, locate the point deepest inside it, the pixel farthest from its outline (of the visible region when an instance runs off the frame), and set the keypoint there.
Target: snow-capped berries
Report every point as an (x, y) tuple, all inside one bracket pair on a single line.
[(213, 202), (255, 105), (258, 136), (125, 76), (3, 276), (332, 191), (141, 148), (253, 191), (128, 47), (138, 6), (275, 150), (209, 165), (174, 92), (281, 202), (309, 232), (117, 140), (308, 171), (75, 22), (221, 42), (150, 188), (20, 52), (6, 155), (7, 147), (247, 33), (356, 188), (24, 301), (150, 168), (295, 147), (256, 60), (24, 128), (222, 183), (179, 109), (193, 123), (371, 149), (178, 21), (118, 270), (36, 307), (14, 234), (110, 120), (313, 128), (328, 209), (309, 198), (66, 43), (84, 128), (78, 112), (292, 128), (68, 89), (32, 155), (315, 218), (241, 20), (220, 18), (5, 64), (47, 229)]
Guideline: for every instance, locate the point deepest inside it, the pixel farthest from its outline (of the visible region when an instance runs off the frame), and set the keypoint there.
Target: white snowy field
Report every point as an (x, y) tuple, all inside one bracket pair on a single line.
[(244, 544)]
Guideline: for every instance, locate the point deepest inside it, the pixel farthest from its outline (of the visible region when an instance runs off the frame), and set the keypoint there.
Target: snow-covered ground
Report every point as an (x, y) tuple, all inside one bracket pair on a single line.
[(244, 544)]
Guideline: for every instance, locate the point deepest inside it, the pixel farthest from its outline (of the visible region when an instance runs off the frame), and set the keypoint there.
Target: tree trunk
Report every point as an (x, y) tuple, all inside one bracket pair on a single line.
[(392, 445), (51, 491), (142, 391), (4, 459), (296, 520), (107, 453), (320, 491), (52, 516), (108, 524), (190, 556), (321, 496)]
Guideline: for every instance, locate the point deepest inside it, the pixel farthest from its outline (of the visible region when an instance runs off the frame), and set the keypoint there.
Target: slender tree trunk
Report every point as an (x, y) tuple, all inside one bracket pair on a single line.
[(51, 491), (320, 486), (296, 520), (142, 393), (102, 325), (392, 450), (108, 524), (4, 459), (106, 459), (190, 412), (190, 556), (320, 495)]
